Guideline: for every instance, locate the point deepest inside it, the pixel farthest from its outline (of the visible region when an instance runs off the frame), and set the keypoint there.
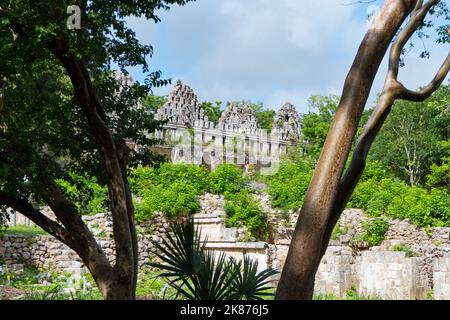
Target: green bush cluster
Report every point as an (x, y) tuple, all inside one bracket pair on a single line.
[(409, 253), (141, 179), (88, 196), (144, 178), (192, 175), (178, 198), (173, 189), (374, 231), (226, 178), (243, 209), (288, 187), (395, 199)]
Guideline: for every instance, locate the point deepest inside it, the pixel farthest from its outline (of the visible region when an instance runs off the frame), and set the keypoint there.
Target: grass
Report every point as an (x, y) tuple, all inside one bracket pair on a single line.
[(30, 282), (409, 253), (351, 294), (24, 230)]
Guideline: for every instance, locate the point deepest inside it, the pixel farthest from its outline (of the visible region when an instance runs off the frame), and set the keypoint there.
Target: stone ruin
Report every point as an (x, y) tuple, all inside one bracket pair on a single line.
[(287, 123), (183, 111), (183, 108), (237, 119)]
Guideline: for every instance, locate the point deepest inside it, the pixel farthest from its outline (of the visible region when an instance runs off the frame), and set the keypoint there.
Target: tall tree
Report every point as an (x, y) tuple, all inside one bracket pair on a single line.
[(330, 188), (153, 103), (213, 111), (316, 123), (64, 110), (264, 115), (408, 143)]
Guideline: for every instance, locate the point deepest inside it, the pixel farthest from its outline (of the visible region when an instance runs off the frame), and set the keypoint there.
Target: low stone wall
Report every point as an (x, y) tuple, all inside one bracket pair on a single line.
[(390, 275), (46, 251), (335, 274), (377, 273), (257, 251), (40, 252), (374, 273)]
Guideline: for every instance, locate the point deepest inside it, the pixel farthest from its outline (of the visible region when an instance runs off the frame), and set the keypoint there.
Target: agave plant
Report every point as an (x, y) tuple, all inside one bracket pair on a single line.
[(200, 274)]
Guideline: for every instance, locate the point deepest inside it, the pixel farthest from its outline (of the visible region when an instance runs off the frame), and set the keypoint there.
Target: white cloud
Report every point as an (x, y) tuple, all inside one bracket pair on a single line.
[(263, 50)]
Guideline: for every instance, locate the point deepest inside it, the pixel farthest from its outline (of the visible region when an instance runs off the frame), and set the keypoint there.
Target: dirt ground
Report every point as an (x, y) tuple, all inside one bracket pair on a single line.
[(10, 293)]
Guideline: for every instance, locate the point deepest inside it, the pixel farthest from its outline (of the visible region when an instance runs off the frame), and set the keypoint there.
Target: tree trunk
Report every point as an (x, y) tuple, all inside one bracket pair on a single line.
[(306, 250), (114, 157)]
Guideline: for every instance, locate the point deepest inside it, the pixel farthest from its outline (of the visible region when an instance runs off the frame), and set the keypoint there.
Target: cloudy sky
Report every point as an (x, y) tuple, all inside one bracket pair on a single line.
[(267, 51)]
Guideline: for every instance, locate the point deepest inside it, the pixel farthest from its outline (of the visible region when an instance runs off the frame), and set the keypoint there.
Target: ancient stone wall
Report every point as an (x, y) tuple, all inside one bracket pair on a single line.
[(390, 275), (49, 253), (335, 274)]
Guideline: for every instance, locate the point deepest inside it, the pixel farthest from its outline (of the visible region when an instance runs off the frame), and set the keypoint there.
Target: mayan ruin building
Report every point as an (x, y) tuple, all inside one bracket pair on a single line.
[(237, 138)]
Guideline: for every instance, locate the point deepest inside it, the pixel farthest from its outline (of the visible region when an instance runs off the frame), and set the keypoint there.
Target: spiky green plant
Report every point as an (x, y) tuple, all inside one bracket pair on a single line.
[(200, 274)]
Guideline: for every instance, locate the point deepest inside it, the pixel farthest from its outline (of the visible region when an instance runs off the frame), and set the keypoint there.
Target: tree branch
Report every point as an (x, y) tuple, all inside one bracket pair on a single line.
[(417, 17), (24, 207), (111, 157), (427, 91), (392, 91)]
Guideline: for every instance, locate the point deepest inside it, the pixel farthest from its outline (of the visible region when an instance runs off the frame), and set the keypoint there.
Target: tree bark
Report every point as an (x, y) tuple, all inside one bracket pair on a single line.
[(327, 195)]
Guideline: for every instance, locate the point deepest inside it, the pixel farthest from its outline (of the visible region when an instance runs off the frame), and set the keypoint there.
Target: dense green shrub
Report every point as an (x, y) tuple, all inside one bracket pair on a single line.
[(226, 178), (375, 196), (288, 187), (84, 192), (243, 209), (178, 198), (396, 199), (409, 253), (374, 231), (191, 174), (172, 189), (141, 179), (374, 170), (423, 207)]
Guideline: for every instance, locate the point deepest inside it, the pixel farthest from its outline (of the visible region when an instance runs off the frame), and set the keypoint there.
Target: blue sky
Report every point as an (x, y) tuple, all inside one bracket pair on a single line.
[(267, 51)]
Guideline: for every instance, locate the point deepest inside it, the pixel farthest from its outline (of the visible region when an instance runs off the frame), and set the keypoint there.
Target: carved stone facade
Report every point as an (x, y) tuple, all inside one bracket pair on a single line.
[(240, 120), (287, 123), (183, 108), (238, 137)]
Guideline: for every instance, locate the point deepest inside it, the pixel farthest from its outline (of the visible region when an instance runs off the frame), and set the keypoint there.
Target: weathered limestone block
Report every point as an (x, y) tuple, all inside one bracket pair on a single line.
[(335, 271), (257, 251), (390, 275), (441, 277)]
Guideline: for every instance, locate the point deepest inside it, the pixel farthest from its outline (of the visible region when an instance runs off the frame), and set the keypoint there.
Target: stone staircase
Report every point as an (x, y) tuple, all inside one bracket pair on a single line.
[(212, 227), (226, 240)]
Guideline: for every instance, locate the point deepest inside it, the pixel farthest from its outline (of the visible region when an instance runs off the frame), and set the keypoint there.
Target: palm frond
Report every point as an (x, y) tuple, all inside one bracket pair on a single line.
[(199, 274), (249, 284)]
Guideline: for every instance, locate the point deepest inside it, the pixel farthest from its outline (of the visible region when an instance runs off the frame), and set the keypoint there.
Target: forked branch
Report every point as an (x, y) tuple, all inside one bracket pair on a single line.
[(392, 91)]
